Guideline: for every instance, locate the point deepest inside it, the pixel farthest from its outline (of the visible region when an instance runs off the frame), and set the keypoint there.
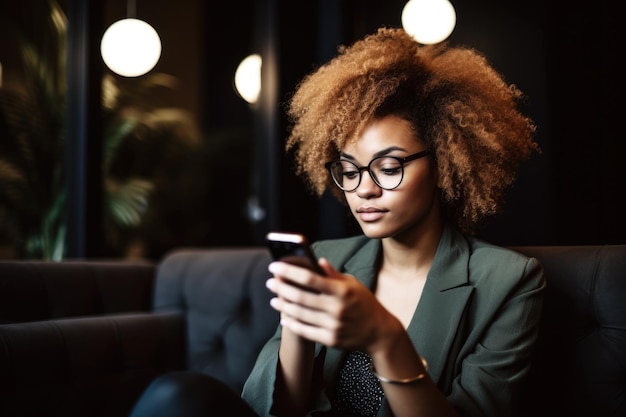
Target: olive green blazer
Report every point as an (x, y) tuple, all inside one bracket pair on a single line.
[(476, 324)]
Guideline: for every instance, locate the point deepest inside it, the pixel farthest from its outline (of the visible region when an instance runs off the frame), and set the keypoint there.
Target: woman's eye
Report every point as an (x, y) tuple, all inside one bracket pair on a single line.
[(390, 170), (350, 174)]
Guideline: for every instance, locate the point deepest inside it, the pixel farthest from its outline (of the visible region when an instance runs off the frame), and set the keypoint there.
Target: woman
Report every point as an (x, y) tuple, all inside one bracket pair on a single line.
[(415, 317)]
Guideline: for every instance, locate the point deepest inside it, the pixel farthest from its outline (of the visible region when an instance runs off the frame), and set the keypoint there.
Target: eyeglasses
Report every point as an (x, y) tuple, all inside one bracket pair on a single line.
[(386, 171)]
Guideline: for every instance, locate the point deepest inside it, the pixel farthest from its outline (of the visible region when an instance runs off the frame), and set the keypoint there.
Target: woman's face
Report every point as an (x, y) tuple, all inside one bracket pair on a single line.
[(411, 207)]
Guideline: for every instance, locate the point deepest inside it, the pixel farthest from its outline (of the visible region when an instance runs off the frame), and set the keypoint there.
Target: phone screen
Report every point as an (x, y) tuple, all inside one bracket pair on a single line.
[(294, 249)]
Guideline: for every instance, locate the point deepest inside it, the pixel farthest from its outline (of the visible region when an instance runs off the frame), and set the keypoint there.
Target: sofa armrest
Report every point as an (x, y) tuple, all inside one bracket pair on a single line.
[(41, 290), (96, 366)]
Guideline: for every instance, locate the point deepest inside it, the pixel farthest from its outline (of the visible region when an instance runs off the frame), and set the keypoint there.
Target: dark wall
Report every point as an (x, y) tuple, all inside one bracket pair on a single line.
[(585, 85)]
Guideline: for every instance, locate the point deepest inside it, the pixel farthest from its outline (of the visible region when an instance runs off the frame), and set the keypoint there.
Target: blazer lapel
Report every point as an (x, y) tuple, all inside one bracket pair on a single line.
[(440, 310), (438, 315)]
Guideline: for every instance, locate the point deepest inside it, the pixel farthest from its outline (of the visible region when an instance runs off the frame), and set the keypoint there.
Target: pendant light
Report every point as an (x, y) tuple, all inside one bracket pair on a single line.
[(130, 47), (429, 21), (248, 78)]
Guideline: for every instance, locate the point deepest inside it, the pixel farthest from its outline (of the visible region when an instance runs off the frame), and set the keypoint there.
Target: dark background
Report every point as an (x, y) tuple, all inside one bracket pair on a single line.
[(565, 56)]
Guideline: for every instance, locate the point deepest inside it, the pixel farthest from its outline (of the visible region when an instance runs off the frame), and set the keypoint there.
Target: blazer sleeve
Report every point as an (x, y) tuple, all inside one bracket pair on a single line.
[(258, 391)]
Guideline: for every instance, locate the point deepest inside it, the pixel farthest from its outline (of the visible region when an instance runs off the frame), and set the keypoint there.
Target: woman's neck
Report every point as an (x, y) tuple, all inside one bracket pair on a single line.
[(413, 252)]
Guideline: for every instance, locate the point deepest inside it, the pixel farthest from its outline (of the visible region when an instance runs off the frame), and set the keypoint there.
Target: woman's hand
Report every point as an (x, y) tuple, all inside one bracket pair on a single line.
[(335, 310)]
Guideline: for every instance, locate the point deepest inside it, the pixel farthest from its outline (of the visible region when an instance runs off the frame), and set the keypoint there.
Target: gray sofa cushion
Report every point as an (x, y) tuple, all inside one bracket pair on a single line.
[(223, 296)]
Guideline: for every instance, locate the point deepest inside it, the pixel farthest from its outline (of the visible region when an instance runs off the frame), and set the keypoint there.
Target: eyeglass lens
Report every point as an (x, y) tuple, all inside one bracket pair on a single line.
[(385, 171)]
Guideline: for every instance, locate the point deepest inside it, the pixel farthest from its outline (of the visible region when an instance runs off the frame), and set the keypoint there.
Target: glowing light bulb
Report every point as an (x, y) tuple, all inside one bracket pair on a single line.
[(429, 21), (248, 78), (130, 47)]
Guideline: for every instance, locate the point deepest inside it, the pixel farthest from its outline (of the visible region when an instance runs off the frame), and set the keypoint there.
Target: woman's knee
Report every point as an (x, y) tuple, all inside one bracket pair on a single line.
[(189, 394)]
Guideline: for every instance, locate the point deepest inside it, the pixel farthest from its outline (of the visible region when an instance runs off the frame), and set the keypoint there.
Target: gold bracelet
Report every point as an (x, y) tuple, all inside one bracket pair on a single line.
[(403, 381)]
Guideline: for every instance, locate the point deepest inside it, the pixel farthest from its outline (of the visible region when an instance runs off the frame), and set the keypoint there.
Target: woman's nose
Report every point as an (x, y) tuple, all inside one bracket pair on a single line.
[(367, 188)]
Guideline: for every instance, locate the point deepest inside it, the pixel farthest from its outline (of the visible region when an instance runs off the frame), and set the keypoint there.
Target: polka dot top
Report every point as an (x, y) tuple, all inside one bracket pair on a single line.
[(358, 392)]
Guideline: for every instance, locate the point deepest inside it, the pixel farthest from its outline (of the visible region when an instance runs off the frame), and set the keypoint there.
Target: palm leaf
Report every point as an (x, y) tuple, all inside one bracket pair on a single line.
[(127, 202)]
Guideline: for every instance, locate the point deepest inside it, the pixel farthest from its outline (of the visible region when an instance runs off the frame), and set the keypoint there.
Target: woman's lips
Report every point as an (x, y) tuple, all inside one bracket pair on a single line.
[(370, 214)]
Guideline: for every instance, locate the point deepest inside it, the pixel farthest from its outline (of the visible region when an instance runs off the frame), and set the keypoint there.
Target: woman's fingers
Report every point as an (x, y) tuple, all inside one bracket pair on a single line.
[(299, 299), (304, 277), (308, 331), (335, 309), (300, 313)]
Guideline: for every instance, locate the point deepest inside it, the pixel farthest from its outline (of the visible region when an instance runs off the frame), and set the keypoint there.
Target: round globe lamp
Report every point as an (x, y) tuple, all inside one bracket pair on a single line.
[(248, 78), (428, 21), (130, 47)]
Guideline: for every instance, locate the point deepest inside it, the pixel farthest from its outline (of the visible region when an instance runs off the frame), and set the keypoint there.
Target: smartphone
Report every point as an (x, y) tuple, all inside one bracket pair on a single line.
[(294, 249)]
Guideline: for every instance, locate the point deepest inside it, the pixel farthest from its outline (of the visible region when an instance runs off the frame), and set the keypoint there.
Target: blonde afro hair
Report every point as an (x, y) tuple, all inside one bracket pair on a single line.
[(458, 104)]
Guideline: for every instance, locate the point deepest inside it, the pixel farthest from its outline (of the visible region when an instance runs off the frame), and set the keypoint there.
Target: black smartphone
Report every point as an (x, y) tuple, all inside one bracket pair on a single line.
[(294, 249)]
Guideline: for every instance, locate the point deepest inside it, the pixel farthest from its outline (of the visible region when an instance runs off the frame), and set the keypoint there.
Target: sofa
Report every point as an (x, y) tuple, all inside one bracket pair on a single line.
[(86, 337)]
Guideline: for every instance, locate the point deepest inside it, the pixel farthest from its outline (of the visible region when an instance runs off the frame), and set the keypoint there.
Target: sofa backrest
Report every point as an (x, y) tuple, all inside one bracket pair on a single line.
[(223, 296), (42, 290), (580, 366)]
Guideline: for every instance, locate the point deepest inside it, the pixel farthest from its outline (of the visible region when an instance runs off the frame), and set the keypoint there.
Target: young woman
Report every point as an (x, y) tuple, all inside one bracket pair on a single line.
[(416, 317)]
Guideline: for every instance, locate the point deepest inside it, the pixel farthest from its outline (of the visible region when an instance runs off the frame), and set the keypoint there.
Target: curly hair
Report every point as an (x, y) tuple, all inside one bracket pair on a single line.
[(457, 103)]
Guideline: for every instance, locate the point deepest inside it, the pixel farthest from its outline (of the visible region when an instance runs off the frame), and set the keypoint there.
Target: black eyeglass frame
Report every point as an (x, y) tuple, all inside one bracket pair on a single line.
[(401, 161)]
